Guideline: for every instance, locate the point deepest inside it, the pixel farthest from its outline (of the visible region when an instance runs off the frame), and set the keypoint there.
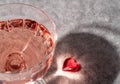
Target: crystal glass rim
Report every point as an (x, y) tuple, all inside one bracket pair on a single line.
[(54, 35), (40, 10)]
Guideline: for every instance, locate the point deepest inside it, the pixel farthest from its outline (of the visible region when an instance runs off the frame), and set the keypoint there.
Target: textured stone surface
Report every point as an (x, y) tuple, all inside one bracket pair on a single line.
[(69, 14)]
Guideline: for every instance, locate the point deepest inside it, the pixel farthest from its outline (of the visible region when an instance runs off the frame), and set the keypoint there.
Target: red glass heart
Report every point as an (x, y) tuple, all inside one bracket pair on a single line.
[(70, 64)]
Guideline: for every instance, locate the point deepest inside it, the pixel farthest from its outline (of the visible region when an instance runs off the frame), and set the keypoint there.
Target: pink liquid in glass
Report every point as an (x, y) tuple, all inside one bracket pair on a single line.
[(24, 44)]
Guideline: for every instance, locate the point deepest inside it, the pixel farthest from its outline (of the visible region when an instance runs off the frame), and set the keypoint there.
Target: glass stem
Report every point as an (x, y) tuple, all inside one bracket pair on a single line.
[(40, 81)]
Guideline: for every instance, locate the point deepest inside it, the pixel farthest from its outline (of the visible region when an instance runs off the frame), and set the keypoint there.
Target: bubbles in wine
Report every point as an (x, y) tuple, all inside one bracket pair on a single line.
[(15, 62)]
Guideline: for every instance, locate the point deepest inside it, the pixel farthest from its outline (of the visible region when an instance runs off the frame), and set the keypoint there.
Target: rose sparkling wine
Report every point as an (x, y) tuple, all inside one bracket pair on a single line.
[(27, 43), (24, 43)]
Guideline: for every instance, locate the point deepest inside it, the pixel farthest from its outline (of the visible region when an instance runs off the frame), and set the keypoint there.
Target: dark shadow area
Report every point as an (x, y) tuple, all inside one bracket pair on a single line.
[(102, 62)]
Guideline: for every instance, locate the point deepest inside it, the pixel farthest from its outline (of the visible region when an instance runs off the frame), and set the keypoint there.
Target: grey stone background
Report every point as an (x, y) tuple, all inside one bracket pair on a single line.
[(69, 14)]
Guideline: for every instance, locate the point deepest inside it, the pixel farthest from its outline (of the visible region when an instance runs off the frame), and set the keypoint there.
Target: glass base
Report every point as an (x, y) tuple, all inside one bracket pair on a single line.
[(38, 81)]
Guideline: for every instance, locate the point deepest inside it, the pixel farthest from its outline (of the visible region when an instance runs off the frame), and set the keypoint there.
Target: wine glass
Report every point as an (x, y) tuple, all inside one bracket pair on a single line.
[(27, 42)]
